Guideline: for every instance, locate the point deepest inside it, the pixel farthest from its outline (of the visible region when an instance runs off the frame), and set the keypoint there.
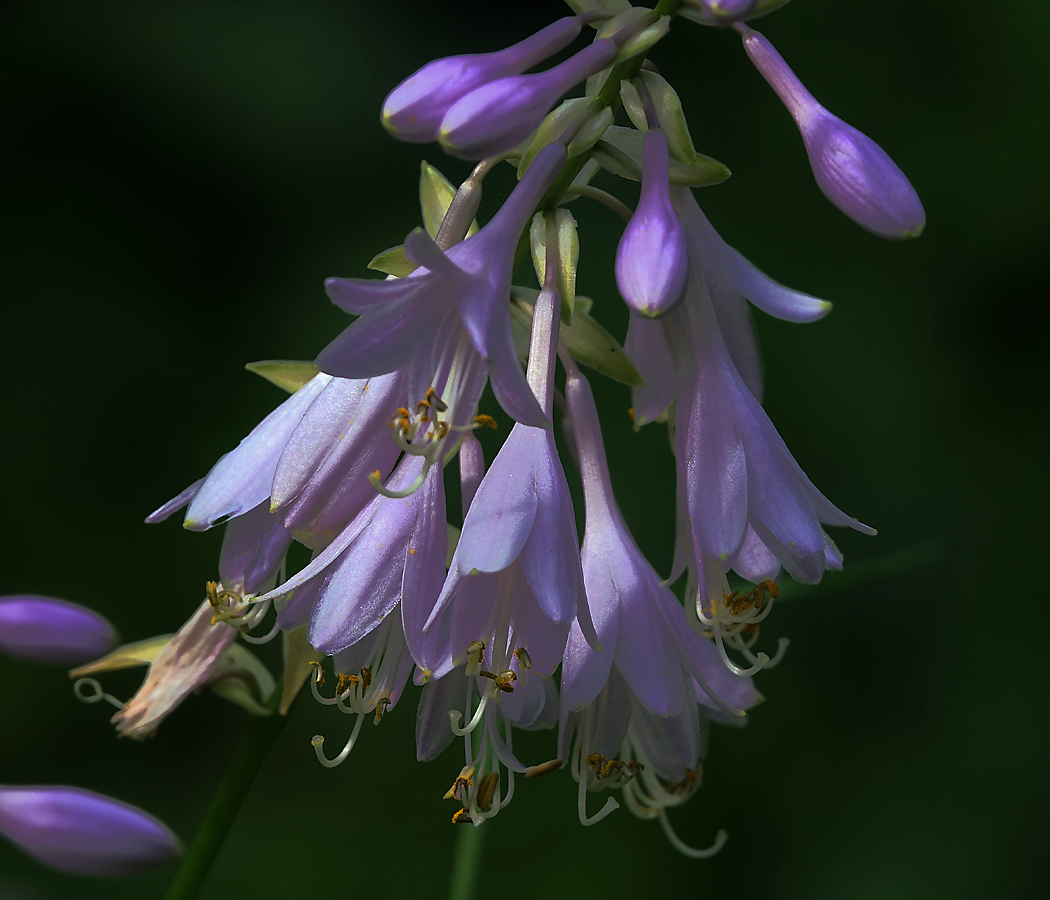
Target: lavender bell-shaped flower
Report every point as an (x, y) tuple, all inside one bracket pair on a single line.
[(48, 630), (470, 281), (522, 510), (501, 114), (414, 109), (852, 170), (652, 261), (654, 671), (636, 616), (79, 831)]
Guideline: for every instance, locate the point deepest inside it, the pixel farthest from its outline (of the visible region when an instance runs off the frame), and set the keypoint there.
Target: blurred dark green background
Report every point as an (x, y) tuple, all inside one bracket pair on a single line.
[(178, 179)]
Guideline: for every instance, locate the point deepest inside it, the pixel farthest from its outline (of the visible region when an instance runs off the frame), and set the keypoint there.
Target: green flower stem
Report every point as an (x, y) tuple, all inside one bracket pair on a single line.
[(466, 862), (259, 735), (610, 96)]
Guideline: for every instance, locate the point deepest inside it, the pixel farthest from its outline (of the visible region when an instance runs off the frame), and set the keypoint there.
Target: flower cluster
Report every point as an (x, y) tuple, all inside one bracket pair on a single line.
[(505, 619)]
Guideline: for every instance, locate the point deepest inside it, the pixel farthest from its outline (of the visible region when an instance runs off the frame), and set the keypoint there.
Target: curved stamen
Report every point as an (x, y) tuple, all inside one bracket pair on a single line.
[(456, 716), (317, 742), (684, 848), (373, 479), (263, 639), (581, 801), (97, 695)]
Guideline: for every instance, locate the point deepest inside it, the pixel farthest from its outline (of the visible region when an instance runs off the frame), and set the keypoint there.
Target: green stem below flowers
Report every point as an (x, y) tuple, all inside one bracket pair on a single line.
[(466, 862), (259, 735)]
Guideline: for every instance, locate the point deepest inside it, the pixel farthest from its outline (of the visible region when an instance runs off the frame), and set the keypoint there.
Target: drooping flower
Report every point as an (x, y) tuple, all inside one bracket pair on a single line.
[(652, 261), (852, 171), (48, 630), (414, 109), (745, 502), (472, 278), (79, 831)]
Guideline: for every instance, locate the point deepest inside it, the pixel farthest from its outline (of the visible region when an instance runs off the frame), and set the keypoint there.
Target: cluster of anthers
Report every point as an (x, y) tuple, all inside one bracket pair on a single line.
[(734, 622)]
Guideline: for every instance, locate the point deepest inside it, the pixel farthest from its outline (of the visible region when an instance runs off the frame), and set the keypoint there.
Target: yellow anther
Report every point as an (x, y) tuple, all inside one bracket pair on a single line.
[(366, 677), (504, 680), (487, 790), (381, 704), (544, 768), (319, 674), (595, 761), (483, 421), (345, 681), (462, 818), (522, 655), (464, 778)]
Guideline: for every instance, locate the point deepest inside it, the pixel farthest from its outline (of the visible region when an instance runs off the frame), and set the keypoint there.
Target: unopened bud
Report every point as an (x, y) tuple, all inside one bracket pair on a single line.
[(852, 170), (499, 115), (652, 261), (414, 109), (47, 630), (79, 831)]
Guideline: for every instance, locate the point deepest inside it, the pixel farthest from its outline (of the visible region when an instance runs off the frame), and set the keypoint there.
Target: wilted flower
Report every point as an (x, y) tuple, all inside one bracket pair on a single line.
[(79, 831), (44, 629)]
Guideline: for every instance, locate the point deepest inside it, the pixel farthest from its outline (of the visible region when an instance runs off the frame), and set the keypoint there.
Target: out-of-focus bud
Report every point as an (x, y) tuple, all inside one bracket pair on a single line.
[(47, 630), (79, 831), (497, 116), (414, 109), (652, 261), (852, 170), (726, 12)]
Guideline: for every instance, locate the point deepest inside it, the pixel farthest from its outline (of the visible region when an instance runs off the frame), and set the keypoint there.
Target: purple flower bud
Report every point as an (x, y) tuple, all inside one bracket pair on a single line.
[(47, 630), (414, 109), (652, 262), (851, 169), (502, 113), (79, 831)]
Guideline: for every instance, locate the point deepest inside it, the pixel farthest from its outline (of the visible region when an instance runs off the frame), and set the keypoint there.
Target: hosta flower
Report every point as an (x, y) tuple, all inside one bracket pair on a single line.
[(470, 282), (851, 170), (48, 630), (79, 831)]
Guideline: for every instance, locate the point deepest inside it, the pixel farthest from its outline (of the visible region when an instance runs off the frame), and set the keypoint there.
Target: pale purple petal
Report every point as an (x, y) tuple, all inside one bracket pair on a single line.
[(436, 700), (551, 555), (648, 350), (242, 479), (501, 517), (174, 504)]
